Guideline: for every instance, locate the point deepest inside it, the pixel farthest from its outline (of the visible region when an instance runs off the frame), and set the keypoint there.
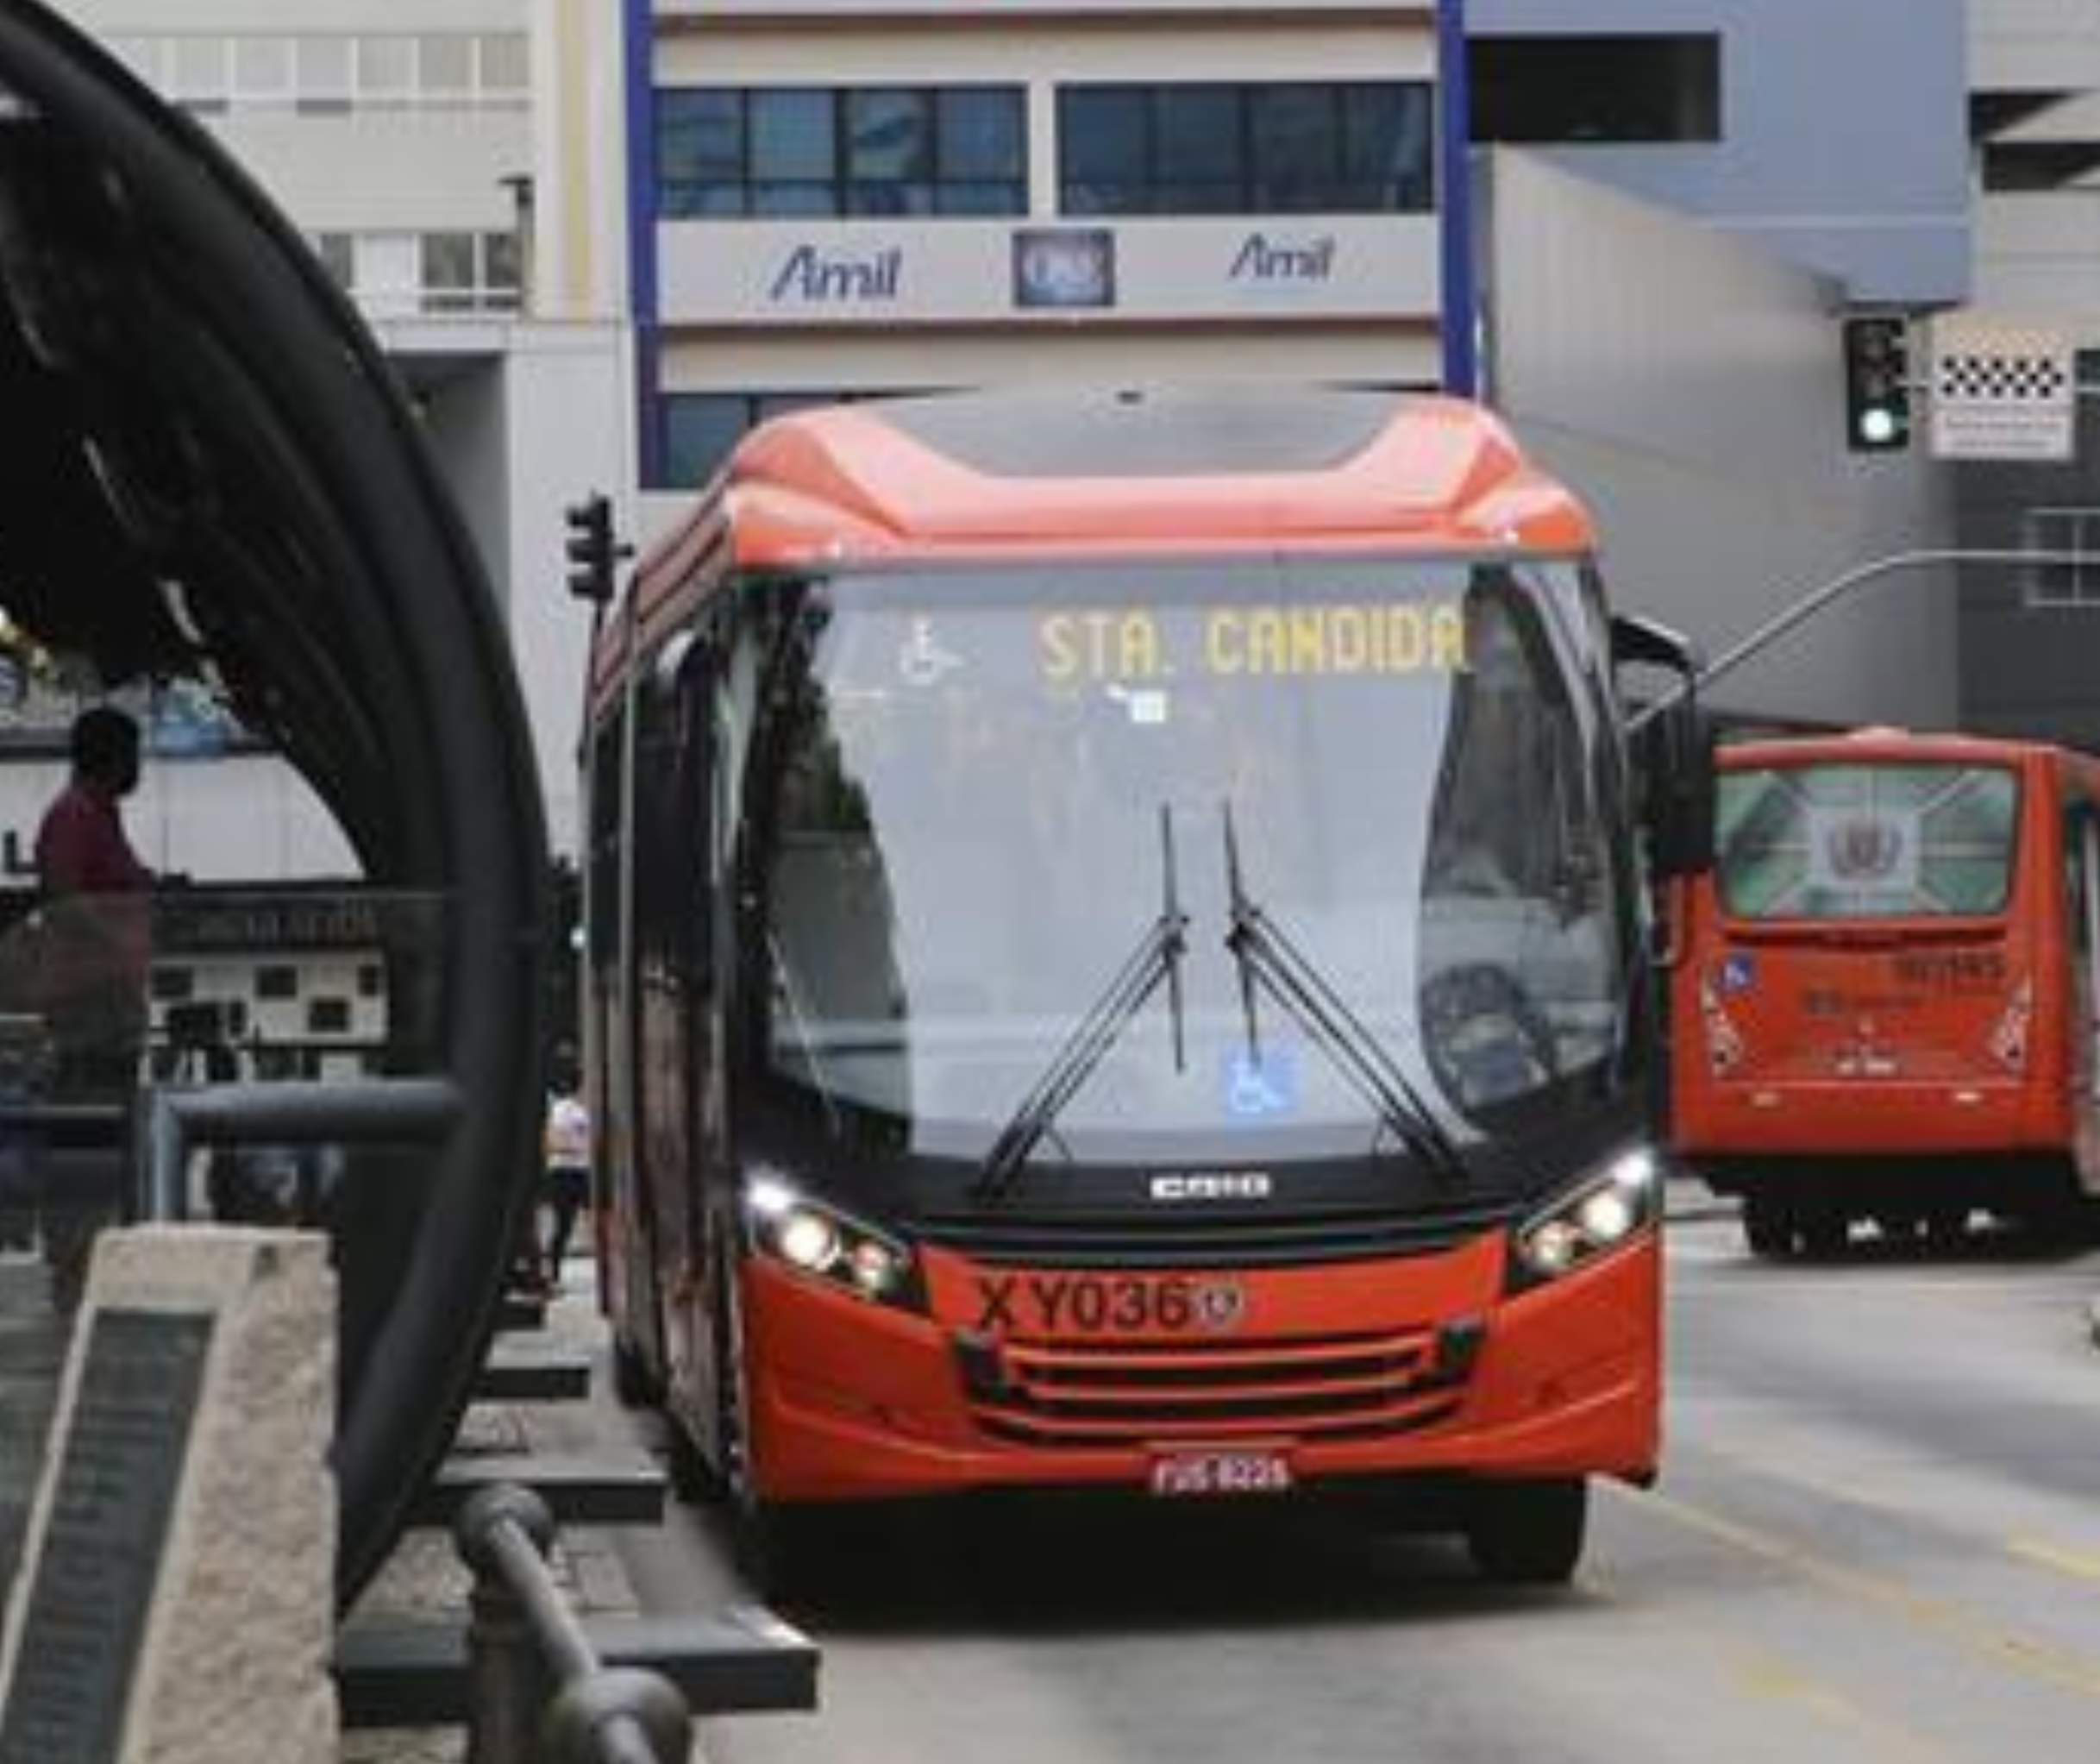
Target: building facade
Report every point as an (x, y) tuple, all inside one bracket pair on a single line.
[(419, 148), (833, 199), (1831, 133), (396, 134), (2031, 635)]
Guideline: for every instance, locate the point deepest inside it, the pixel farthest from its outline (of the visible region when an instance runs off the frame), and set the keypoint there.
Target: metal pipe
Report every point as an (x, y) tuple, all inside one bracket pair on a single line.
[(541, 1694), (556, 1628), (1815, 600), (375, 1111)]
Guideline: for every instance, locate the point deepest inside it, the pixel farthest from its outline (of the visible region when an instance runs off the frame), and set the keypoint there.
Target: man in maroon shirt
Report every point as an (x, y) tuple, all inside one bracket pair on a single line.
[(96, 942), (81, 848)]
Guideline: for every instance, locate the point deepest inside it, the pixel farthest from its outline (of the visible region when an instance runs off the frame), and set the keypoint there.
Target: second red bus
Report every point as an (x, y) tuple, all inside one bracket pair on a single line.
[(1885, 1007)]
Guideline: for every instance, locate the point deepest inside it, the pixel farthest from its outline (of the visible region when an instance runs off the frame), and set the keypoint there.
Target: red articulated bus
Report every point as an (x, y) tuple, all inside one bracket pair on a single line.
[(1116, 958), (1885, 1000)]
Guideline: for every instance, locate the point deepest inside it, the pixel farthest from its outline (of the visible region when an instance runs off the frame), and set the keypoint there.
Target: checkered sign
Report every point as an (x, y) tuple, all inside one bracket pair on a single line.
[(2002, 392)]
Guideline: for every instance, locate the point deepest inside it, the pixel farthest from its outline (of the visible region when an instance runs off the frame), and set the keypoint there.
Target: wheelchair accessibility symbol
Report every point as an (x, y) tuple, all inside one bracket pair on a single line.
[(1261, 1087)]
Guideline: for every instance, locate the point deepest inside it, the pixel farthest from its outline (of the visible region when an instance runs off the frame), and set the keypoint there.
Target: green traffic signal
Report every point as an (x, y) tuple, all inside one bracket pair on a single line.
[(1878, 383)]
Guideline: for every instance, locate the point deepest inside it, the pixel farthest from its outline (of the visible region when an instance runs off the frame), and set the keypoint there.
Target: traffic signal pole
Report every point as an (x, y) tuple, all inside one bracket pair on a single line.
[(1807, 604)]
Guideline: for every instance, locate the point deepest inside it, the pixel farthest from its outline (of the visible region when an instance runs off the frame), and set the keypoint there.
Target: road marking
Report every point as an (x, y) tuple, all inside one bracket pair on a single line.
[(2080, 1564), (1790, 1475), (2076, 1673), (1772, 1679)]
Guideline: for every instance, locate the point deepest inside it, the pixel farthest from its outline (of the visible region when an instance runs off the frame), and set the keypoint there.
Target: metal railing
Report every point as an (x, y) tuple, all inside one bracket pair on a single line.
[(539, 1692), (173, 1122)]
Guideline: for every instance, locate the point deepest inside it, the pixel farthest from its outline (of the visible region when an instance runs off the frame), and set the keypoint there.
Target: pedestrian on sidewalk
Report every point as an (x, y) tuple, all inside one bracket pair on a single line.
[(566, 1187)]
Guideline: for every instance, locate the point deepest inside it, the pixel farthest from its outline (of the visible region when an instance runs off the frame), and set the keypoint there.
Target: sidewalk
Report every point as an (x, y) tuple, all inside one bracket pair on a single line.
[(424, 1581)]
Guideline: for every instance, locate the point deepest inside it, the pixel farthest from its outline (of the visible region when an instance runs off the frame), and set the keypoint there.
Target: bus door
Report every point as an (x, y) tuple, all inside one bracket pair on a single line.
[(672, 844), (625, 1276)]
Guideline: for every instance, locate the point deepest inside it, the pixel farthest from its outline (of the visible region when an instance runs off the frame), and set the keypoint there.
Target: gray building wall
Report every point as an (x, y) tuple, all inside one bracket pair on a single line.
[(1844, 131), (2031, 669), (1686, 385)]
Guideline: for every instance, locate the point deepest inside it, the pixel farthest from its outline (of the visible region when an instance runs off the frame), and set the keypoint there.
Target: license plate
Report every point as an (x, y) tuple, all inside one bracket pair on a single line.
[(1178, 1475)]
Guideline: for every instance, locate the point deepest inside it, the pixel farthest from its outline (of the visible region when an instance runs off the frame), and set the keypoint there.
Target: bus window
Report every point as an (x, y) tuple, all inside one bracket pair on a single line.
[(1867, 841), (969, 781)]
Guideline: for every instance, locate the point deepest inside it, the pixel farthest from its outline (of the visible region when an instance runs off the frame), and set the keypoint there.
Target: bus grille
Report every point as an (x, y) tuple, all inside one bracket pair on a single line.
[(1332, 1388), (1152, 1240)]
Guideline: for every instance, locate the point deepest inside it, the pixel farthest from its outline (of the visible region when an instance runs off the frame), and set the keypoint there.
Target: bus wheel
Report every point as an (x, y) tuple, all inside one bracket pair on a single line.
[(789, 1555), (1768, 1228), (1825, 1235), (1529, 1533)]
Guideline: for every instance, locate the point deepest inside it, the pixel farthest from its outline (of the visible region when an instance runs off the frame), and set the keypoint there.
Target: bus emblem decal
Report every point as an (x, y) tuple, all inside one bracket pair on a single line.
[(1220, 1305), (1865, 849)]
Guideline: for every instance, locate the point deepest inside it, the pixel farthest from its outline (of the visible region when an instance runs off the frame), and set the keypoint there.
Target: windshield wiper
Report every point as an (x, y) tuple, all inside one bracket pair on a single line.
[(1156, 960), (1269, 960)]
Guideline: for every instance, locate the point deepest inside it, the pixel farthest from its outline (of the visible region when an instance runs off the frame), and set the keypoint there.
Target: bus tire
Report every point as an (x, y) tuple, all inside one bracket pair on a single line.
[(789, 1555), (1826, 1236), (1529, 1533), (1768, 1228)]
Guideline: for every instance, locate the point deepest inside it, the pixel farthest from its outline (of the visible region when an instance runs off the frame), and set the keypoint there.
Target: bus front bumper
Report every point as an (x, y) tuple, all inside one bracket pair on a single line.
[(853, 1401)]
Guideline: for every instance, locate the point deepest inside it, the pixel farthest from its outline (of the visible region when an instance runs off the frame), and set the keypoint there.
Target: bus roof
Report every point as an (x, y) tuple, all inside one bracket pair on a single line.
[(1882, 745), (1102, 473), (1131, 471)]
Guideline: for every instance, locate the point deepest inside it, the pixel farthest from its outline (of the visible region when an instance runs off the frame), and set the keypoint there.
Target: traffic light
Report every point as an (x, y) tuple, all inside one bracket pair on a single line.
[(592, 552), (1878, 383)]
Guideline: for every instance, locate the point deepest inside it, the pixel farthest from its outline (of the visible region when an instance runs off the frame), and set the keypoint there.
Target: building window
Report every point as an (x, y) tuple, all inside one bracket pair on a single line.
[(263, 71), (196, 74), (394, 275), (699, 429), (503, 67), (386, 72), (2076, 581), (445, 69), (324, 75), (325, 85), (1297, 149), (1598, 90), (825, 152)]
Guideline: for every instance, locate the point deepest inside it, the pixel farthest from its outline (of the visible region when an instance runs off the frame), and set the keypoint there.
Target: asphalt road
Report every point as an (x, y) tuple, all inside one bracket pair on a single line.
[(1877, 1538)]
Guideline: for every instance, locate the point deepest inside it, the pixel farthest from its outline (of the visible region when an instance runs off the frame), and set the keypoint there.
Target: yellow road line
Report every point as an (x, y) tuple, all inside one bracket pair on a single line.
[(2068, 1671), (1770, 1679), (2080, 1564)]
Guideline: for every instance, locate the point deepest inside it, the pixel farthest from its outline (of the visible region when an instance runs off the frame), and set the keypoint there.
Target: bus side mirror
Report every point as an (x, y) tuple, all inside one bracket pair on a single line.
[(1673, 758), (1672, 751)]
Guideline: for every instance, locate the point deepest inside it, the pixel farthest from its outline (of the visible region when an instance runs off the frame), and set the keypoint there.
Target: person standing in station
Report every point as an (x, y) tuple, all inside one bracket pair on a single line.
[(96, 936), (567, 1154)]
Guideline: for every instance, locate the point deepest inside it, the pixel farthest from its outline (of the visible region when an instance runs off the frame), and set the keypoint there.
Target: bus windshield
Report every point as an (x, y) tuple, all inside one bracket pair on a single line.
[(1894, 841), (977, 792)]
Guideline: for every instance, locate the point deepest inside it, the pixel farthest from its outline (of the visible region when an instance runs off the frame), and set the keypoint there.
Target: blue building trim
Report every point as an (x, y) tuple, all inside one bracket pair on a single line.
[(643, 205), (1459, 295)]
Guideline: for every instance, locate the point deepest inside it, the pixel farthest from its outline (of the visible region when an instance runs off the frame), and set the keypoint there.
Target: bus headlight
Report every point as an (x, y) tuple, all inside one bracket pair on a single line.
[(817, 1241), (1596, 1215)]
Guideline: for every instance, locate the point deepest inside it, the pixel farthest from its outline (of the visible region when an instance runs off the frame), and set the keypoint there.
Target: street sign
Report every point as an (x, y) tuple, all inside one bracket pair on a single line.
[(2001, 391)]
